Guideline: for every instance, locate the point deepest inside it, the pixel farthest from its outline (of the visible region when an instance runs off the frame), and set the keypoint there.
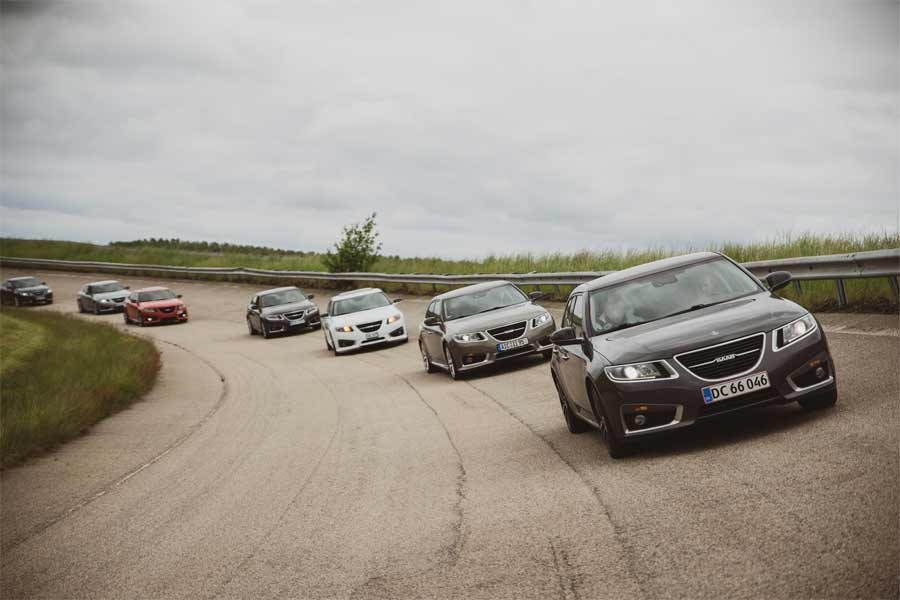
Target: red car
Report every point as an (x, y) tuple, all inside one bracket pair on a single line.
[(154, 305)]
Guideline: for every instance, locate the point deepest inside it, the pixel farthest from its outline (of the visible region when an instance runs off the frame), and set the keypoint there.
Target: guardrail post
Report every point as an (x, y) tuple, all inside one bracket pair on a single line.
[(841, 292), (797, 289), (895, 287)]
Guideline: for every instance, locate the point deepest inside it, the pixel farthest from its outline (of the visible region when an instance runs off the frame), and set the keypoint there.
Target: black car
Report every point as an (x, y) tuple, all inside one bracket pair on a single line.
[(102, 296), (25, 290), (667, 344), (281, 310)]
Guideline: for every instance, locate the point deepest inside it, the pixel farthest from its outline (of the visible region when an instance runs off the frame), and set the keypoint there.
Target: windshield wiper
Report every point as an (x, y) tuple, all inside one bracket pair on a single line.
[(487, 310), (624, 326)]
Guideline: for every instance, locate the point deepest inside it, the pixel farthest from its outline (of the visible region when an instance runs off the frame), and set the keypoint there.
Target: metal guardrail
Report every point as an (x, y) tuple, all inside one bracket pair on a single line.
[(836, 267)]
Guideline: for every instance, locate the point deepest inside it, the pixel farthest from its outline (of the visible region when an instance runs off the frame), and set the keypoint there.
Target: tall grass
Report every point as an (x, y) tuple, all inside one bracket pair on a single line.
[(867, 294), (73, 376)]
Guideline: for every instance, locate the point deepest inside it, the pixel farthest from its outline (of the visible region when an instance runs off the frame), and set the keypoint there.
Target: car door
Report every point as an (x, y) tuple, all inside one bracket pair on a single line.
[(572, 358), (432, 335), (131, 307)]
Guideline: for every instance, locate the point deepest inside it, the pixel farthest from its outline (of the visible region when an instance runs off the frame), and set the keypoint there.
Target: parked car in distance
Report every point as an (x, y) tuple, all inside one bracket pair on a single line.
[(664, 345), (281, 310), (152, 305), (363, 317), (25, 290), (480, 324), (102, 296)]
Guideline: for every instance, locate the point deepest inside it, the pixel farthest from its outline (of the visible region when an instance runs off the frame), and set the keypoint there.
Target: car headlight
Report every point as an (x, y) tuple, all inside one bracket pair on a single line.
[(540, 320), (24, 293), (345, 329), (105, 300), (180, 307), (312, 310), (638, 371), (394, 318), (466, 338), (793, 331), (273, 317)]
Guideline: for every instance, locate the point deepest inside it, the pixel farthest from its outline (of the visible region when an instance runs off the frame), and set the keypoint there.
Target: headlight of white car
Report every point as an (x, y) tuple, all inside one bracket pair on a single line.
[(345, 329), (394, 318), (638, 371), (793, 331), (540, 320), (466, 338)]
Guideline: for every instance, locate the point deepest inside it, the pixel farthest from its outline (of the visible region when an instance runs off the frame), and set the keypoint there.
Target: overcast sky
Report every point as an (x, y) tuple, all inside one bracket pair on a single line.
[(469, 128)]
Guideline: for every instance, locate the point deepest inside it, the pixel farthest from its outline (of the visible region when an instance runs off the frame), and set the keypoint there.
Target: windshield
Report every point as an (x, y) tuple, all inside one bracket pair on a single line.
[(667, 293), (483, 301), (156, 295), (25, 283), (104, 288), (282, 297), (358, 303)]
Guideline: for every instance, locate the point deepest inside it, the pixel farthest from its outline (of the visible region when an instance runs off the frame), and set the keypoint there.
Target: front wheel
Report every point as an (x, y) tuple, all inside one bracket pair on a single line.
[(429, 368), (140, 320), (818, 401), (16, 301), (573, 423), (80, 307), (96, 308), (617, 446), (250, 328), (265, 331), (452, 369), (547, 354), (328, 343), (125, 317)]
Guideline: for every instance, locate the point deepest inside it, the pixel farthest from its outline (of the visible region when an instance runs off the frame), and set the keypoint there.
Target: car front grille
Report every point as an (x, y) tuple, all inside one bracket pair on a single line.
[(167, 309), (295, 315), (369, 327), (724, 360), (508, 332)]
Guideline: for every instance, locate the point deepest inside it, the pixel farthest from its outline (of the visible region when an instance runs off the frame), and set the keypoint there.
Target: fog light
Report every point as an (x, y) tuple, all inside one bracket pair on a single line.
[(639, 420), (820, 373)]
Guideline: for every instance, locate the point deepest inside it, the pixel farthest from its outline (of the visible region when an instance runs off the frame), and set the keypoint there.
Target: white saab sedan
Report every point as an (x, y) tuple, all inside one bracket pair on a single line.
[(364, 317)]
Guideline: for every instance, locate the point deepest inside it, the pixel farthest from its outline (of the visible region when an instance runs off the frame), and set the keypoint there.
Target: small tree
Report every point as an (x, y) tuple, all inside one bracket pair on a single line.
[(357, 250)]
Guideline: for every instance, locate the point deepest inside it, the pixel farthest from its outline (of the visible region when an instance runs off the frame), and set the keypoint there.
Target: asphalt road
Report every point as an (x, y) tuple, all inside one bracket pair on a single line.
[(270, 468)]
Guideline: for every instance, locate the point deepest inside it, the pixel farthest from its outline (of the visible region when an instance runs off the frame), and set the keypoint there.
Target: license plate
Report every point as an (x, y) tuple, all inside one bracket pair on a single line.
[(296, 322), (513, 344), (736, 387), (372, 336)]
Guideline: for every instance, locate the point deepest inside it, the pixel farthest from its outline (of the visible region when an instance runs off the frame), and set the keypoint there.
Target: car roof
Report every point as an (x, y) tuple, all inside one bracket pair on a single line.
[(278, 289), (475, 287), (357, 292), (645, 269), (155, 288), (21, 278), (102, 282)]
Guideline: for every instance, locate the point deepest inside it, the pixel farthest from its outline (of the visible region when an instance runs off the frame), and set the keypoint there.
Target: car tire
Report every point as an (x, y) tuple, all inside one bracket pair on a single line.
[(16, 301), (615, 445), (818, 401), (80, 307), (96, 308), (265, 330), (125, 317), (574, 423), (328, 343), (429, 368), (452, 367), (250, 327), (547, 354), (140, 320)]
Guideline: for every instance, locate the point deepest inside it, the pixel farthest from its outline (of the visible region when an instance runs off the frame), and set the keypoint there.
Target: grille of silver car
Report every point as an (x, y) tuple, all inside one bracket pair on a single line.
[(725, 360), (295, 315), (508, 332), (369, 327)]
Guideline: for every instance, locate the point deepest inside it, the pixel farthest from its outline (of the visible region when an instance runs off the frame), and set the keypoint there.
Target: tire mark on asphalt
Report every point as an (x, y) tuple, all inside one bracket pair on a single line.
[(125, 478), (566, 580), (619, 535)]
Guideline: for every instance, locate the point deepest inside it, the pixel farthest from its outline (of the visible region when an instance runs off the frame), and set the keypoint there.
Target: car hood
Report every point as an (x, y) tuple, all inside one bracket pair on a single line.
[(287, 308), (161, 303), (495, 318), (33, 289), (111, 295), (704, 327), (365, 316)]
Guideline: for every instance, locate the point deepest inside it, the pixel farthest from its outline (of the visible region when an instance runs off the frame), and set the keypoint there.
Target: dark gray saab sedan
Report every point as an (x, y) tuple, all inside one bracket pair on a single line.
[(669, 343), (479, 324)]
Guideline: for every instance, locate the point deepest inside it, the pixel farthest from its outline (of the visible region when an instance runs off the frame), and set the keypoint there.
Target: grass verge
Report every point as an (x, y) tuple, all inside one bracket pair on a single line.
[(60, 375)]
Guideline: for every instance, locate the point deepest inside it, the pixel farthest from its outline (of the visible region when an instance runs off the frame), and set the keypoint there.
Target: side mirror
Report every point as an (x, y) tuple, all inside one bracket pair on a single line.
[(321, 315), (396, 300), (310, 296), (431, 322), (127, 287), (535, 296), (178, 296), (564, 337), (253, 306), (777, 280), (43, 283)]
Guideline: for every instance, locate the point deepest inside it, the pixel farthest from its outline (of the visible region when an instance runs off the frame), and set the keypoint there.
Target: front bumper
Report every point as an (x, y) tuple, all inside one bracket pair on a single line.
[(32, 299), (473, 355), (674, 403), (111, 306), (307, 321), (345, 341), (176, 316)]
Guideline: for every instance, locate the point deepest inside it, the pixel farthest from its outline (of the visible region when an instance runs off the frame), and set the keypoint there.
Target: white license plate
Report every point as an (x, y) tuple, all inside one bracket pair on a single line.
[(513, 344), (735, 387), (295, 322), (372, 336)]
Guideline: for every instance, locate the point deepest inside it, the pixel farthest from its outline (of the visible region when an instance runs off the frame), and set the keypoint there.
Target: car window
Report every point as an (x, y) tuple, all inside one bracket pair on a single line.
[(255, 300), (27, 282), (482, 301), (360, 303), (430, 311), (282, 297), (133, 297), (567, 313), (103, 288), (156, 295), (578, 315)]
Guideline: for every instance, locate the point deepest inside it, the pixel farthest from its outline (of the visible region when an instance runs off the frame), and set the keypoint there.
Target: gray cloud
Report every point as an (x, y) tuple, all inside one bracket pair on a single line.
[(514, 127)]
